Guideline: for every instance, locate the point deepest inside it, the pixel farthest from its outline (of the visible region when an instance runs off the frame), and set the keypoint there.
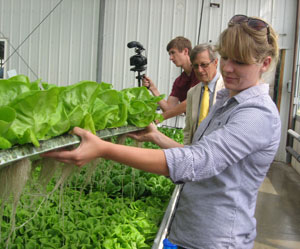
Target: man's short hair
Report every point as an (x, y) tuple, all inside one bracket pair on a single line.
[(180, 43), (201, 48)]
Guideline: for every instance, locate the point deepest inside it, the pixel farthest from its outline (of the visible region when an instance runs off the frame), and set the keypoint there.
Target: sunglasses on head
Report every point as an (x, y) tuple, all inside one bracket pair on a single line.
[(253, 23)]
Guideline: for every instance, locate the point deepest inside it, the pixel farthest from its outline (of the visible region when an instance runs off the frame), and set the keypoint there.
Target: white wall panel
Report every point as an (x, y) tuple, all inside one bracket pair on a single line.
[(281, 15), (63, 49), (286, 30), (155, 22)]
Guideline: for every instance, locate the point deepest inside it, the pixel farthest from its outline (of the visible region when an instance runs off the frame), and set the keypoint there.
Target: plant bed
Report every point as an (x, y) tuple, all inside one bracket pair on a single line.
[(118, 207)]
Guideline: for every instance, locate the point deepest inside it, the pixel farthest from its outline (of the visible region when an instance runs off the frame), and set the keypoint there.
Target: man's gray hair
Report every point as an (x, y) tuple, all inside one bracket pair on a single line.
[(201, 48)]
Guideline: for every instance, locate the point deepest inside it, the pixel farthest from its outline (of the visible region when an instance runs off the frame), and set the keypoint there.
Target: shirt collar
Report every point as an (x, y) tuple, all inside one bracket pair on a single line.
[(251, 92), (212, 83)]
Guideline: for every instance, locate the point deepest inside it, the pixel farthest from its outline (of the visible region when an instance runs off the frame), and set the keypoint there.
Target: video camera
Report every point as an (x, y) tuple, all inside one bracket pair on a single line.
[(138, 60)]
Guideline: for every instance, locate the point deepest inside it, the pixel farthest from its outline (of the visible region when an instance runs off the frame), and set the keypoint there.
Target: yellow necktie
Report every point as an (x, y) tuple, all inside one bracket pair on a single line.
[(204, 108)]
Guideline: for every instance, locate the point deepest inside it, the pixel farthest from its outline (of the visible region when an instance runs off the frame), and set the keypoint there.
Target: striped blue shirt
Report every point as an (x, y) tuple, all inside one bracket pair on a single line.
[(222, 170)]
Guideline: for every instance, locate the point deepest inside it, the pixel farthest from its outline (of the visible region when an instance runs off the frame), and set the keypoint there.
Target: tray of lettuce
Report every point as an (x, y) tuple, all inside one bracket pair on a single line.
[(33, 112)]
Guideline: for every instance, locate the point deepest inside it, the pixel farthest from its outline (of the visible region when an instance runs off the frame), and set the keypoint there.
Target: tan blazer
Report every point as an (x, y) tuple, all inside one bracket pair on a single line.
[(192, 109)]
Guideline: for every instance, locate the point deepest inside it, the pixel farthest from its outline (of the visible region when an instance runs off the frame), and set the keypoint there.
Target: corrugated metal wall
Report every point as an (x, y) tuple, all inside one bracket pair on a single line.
[(155, 22), (66, 47), (63, 47)]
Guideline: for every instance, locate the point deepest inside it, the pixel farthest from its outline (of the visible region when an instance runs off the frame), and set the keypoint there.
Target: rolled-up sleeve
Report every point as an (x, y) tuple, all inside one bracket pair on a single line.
[(180, 163), (246, 130)]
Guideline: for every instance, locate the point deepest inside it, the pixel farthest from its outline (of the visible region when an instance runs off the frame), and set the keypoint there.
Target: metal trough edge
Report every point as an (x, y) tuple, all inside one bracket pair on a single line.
[(167, 219), (19, 152)]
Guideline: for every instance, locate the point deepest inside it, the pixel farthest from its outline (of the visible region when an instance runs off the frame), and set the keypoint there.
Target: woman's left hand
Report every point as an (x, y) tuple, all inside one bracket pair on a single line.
[(146, 135)]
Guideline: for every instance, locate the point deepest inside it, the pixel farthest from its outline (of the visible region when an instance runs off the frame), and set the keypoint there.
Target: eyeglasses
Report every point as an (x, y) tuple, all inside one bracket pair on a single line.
[(202, 65), (254, 23)]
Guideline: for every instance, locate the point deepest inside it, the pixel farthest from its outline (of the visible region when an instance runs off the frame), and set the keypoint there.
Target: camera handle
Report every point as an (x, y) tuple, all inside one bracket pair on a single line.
[(139, 78)]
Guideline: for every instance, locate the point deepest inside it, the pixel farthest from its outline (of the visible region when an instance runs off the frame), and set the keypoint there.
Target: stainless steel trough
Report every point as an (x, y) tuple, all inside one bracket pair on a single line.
[(29, 151)]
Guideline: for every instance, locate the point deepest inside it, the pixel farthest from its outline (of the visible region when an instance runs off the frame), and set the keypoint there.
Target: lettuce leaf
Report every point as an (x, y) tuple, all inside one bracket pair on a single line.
[(29, 114), (10, 90), (4, 143), (7, 116), (110, 109), (77, 99), (35, 115), (142, 106)]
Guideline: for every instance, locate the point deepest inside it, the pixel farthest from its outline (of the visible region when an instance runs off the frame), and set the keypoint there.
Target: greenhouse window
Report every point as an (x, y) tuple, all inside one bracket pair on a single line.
[(3, 46)]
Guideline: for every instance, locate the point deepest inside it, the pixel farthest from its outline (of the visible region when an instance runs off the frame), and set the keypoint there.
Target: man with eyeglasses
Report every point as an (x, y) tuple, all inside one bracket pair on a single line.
[(179, 50), (202, 96)]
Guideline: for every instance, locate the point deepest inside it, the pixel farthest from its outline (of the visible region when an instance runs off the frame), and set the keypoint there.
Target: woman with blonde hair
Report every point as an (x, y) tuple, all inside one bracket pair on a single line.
[(231, 152)]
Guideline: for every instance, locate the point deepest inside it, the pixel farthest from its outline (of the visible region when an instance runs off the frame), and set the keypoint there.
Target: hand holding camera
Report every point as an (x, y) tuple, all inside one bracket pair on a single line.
[(147, 82)]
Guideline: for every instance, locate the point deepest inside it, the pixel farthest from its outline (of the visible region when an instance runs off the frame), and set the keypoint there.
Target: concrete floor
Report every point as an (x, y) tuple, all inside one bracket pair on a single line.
[(278, 209)]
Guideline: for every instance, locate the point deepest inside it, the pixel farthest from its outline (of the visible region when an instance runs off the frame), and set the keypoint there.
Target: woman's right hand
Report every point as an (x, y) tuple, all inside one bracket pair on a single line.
[(90, 148)]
